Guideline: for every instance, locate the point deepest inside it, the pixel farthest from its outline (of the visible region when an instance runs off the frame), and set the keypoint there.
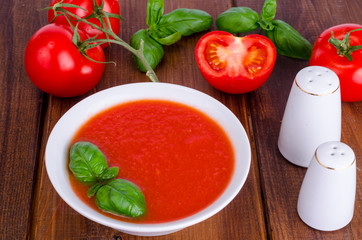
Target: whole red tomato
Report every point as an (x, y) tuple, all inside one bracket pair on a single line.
[(235, 64), (327, 55), (56, 66), (110, 6)]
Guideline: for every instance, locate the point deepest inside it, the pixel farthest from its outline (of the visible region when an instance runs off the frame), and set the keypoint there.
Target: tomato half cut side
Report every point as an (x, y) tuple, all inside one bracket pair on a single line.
[(235, 64)]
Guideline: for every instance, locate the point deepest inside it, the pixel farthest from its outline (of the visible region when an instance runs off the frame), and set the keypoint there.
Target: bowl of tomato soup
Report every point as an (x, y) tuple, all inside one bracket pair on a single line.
[(186, 151)]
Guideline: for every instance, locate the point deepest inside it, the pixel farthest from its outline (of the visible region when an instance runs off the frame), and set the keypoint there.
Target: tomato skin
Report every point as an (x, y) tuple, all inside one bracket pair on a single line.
[(235, 76), (111, 6), (55, 65), (349, 72)]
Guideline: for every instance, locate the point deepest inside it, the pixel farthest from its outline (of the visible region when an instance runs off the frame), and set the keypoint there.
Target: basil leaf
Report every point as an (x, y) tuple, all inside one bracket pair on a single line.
[(109, 174), (269, 10), (288, 41), (155, 10), (171, 39), (122, 197), (87, 162), (152, 51), (238, 20), (93, 190), (183, 20), (266, 25), (268, 14)]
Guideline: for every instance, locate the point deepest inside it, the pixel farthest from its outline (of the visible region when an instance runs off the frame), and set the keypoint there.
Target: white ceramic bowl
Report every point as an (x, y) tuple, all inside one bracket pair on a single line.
[(56, 153)]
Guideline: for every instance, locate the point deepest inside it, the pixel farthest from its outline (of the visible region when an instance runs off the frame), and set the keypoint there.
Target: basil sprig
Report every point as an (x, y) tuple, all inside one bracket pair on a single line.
[(288, 41), (118, 196), (167, 29)]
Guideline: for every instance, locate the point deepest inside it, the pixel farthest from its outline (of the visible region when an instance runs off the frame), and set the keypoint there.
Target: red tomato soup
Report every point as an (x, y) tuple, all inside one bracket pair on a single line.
[(180, 158)]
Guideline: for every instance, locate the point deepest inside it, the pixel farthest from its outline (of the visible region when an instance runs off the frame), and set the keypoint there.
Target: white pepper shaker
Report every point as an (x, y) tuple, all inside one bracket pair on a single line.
[(327, 195)]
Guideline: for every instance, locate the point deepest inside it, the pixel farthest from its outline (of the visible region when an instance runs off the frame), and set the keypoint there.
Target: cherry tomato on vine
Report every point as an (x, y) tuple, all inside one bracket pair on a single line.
[(56, 66), (110, 6), (235, 64), (334, 55)]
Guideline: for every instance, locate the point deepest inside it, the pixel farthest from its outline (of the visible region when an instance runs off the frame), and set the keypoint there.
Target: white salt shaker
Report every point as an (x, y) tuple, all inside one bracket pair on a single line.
[(312, 115), (327, 196)]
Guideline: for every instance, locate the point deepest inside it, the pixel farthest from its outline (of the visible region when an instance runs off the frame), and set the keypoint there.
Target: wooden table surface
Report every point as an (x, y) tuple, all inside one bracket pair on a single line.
[(265, 208)]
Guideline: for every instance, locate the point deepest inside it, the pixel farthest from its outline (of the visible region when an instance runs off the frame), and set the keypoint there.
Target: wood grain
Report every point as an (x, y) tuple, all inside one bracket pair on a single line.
[(281, 180), (20, 119), (265, 208)]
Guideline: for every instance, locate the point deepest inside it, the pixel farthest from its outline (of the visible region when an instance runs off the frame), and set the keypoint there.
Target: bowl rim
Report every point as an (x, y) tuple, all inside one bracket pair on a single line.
[(113, 96)]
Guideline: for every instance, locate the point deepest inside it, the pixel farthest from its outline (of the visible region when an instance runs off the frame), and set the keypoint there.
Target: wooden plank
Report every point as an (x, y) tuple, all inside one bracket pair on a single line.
[(53, 219), (20, 112), (280, 179), (351, 135)]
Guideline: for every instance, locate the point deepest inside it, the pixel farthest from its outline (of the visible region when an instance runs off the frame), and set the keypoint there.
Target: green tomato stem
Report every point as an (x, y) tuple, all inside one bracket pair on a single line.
[(343, 47)]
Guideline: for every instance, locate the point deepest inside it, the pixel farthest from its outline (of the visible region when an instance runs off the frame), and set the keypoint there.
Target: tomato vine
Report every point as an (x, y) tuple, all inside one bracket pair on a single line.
[(58, 9)]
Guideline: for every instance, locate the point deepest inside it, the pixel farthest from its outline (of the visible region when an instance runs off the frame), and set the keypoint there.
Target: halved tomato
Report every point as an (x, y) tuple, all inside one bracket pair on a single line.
[(235, 64)]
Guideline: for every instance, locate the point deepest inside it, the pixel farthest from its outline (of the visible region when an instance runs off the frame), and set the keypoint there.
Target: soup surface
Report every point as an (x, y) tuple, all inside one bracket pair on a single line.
[(180, 158)]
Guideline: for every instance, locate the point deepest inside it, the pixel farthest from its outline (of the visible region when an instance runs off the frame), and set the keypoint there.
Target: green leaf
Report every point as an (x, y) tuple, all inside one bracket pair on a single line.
[(121, 197), (109, 174), (93, 190), (153, 51), (171, 39), (266, 25), (117, 196), (288, 41), (238, 20), (269, 10), (185, 21), (155, 10), (87, 162)]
